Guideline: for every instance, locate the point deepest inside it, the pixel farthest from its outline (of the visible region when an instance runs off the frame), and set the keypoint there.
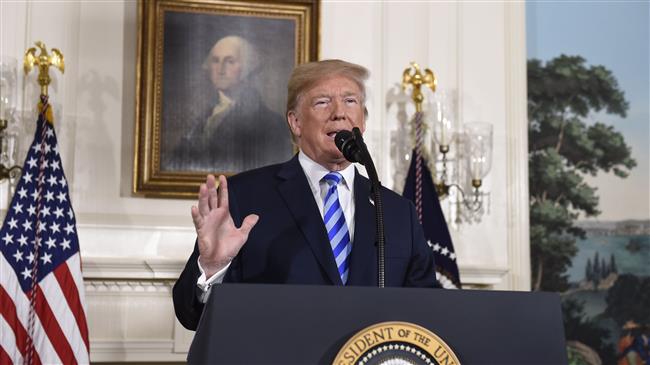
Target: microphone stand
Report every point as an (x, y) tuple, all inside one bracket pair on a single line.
[(375, 189)]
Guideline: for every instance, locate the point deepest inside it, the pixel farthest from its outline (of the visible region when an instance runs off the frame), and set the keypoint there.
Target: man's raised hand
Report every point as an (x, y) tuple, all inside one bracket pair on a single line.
[(218, 239)]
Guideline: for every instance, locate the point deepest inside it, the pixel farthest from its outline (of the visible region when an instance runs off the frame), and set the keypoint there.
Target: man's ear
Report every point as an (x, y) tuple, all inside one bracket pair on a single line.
[(294, 123)]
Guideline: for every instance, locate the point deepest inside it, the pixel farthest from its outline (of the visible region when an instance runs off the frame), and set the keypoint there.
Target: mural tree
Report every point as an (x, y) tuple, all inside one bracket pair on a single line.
[(629, 299), (564, 146)]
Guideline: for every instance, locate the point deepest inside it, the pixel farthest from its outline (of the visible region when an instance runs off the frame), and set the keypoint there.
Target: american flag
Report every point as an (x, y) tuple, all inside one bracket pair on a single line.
[(420, 189), (434, 225), (41, 288)]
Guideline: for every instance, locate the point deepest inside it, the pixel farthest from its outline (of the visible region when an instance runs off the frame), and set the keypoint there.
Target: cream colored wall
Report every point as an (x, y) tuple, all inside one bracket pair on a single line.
[(133, 247)]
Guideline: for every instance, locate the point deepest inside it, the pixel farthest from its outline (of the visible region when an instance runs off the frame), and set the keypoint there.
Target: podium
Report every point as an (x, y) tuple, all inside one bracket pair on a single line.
[(295, 324)]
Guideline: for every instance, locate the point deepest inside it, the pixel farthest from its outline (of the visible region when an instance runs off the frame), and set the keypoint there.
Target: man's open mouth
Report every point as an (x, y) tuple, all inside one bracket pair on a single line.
[(332, 134)]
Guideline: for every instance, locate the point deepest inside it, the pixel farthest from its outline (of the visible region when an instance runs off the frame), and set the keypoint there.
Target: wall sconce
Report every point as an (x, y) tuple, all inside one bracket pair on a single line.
[(8, 134), (464, 159)]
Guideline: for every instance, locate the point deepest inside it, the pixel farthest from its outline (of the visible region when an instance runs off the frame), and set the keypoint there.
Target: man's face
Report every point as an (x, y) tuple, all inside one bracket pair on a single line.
[(225, 64), (333, 104)]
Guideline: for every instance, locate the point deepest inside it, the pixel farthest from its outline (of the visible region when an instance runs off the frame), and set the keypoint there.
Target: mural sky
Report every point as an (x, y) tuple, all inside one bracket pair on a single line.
[(615, 35)]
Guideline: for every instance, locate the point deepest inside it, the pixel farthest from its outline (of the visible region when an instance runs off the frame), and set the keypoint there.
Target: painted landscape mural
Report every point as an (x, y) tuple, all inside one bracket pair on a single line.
[(589, 162)]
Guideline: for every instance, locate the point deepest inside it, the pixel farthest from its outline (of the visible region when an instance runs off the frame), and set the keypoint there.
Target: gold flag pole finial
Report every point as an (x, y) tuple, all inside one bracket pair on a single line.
[(43, 61), (414, 77)]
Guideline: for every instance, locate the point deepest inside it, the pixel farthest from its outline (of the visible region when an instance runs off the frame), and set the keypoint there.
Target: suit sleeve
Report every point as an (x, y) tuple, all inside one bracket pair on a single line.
[(187, 306), (422, 269)]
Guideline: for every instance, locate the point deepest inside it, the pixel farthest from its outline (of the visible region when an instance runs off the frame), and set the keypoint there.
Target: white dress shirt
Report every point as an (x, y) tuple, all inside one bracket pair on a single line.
[(315, 174)]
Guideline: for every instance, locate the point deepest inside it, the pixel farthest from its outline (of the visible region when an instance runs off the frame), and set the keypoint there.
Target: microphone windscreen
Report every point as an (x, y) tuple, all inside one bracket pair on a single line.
[(347, 144), (341, 138)]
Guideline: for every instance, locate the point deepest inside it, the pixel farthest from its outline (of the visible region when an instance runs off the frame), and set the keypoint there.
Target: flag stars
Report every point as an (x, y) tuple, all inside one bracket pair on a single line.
[(62, 182), (22, 193), (65, 244), (58, 212), (27, 273), (452, 256), (49, 133), (27, 177), (27, 225), (36, 148), (22, 240), (47, 258), (69, 229), (42, 227), (8, 238), (436, 247), (51, 242), (18, 256), (444, 251), (49, 196), (32, 162), (70, 214), (48, 148), (31, 210), (46, 211), (61, 197), (45, 164), (34, 195), (56, 150), (54, 227), (55, 164), (13, 223), (52, 180), (18, 208), (30, 258)]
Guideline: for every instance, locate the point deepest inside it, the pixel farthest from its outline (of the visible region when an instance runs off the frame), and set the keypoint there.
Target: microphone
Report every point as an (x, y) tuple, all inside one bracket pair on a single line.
[(350, 145), (355, 150)]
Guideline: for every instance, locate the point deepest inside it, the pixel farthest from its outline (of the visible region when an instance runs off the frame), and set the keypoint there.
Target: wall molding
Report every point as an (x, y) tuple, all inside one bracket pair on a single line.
[(135, 350), (517, 146)]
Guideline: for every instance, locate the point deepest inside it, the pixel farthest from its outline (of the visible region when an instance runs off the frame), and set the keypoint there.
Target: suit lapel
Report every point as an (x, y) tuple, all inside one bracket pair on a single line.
[(363, 258), (299, 199)]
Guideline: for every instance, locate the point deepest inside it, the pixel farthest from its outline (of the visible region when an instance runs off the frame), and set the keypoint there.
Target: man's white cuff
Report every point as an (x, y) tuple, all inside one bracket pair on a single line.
[(205, 284)]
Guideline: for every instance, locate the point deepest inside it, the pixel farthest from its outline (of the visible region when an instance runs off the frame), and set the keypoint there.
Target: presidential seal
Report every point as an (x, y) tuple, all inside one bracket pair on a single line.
[(395, 343)]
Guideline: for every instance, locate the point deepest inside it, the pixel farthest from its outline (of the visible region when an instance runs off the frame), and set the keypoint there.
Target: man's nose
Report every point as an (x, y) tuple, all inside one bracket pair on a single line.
[(338, 110)]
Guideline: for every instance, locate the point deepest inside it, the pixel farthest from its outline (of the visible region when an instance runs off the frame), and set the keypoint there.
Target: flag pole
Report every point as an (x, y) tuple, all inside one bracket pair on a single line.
[(43, 61), (413, 76)]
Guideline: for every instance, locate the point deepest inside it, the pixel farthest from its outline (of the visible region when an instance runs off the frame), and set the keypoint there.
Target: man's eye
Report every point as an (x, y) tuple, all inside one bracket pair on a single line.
[(351, 101), (321, 103)]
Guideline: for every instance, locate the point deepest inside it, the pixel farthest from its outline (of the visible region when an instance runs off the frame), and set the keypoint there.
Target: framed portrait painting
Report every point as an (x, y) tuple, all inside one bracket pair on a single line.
[(212, 88)]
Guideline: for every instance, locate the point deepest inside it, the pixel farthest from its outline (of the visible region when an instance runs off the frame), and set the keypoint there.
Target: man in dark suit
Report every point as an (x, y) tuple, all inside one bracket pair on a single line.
[(308, 220)]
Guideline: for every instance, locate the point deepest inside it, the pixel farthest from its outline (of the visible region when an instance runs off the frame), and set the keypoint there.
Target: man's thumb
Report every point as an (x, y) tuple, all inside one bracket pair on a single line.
[(248, 224)]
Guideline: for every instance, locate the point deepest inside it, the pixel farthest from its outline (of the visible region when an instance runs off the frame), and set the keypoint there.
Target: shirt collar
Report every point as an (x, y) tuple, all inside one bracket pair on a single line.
[(315, 172)]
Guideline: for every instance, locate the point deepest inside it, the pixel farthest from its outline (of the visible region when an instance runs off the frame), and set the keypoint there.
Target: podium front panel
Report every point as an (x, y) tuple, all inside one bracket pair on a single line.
[(292, 324)]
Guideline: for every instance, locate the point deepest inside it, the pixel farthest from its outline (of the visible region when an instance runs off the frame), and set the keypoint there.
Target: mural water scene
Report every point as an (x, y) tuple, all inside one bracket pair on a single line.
[(589, 165)]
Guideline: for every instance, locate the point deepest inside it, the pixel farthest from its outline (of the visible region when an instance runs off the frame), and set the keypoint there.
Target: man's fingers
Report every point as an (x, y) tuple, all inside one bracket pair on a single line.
[(223, 192), (248, 224), (212, 200), (210, 181), (196, 217), (204, 207)]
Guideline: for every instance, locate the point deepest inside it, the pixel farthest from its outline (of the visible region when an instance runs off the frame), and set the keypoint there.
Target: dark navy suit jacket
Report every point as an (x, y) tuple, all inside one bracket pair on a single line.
[(289, 244)]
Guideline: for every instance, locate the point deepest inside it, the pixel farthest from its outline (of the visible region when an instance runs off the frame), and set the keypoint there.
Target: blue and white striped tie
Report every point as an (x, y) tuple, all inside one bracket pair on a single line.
[(337, 229)]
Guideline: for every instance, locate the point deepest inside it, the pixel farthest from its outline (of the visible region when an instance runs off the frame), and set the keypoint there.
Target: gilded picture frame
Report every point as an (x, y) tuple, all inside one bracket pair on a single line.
[(211, 88)]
